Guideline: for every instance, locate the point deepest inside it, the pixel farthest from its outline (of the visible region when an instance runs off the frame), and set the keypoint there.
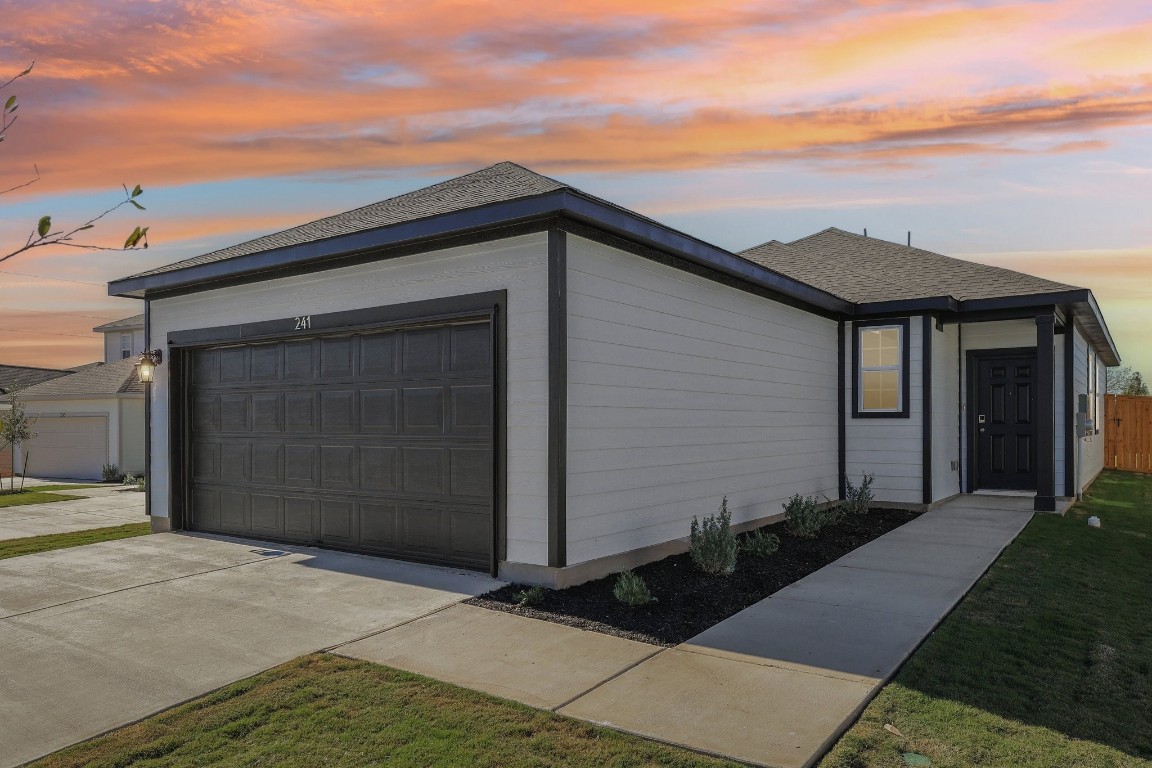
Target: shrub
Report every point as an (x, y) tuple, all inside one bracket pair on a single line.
[(761, 544), (110, 473), (858, 498), (713, 545), (531, 596), (805, 518), (630, 589)]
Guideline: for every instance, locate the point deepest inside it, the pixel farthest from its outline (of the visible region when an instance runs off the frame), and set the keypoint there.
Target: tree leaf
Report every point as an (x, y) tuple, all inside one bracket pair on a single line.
[(45, 225), (8, 104), (133, 238), (138, 206), (136, 191), (86, 226)]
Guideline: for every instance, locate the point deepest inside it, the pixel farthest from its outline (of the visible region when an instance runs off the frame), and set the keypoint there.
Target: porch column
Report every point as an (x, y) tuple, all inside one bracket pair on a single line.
[(1045, 413)]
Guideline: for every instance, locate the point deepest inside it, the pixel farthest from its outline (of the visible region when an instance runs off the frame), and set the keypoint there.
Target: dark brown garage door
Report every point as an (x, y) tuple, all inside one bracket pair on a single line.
[(379, 442)]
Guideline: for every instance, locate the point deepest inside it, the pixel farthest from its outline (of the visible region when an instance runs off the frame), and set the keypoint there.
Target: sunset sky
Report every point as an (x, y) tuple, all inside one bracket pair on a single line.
[(1011, 133)]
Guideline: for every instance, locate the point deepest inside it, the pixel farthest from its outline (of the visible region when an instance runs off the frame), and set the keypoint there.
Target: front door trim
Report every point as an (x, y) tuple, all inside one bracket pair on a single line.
[(972, 363)]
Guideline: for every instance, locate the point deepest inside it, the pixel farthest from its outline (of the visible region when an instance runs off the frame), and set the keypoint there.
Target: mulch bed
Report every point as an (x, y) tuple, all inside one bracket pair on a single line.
[(690, 601)]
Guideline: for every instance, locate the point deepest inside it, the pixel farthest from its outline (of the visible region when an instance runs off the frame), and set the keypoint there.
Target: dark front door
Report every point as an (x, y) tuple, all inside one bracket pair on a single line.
[(1004, 423), (378, 441)]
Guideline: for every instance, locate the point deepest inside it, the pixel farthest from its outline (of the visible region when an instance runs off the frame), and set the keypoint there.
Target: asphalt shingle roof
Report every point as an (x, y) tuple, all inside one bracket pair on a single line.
[(136, 321), (108, 379), (866, 269), (20, 376), (495, 184)]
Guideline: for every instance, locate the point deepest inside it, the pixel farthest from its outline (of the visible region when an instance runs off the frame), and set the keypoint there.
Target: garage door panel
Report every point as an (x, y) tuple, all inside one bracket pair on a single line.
[(378, 441), (68, 446)]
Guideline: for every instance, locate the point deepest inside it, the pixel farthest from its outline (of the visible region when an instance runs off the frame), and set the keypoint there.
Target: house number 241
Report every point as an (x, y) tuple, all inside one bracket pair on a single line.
[(304, 322)]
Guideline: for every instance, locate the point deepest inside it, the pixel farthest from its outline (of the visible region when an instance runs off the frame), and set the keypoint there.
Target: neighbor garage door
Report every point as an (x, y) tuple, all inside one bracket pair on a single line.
[(378, 442), (68, 447)]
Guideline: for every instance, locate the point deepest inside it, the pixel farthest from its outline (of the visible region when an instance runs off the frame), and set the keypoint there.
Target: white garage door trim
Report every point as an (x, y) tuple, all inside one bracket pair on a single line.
[(69, 445)]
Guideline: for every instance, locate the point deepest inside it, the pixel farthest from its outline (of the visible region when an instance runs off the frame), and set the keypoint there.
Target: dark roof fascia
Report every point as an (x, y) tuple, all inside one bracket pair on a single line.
[(565, 202), (906, 307)]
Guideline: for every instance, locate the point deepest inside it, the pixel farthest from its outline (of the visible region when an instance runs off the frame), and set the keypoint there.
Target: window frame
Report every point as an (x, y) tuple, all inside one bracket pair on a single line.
[(904, 326), (129, 338)]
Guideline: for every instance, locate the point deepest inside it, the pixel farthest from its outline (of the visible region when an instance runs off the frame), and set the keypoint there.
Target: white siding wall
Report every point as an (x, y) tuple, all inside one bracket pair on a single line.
[(132, 435), (889, 449), (945, 412), (682, 391), (117, 410), (1090, 448), (517, 264)]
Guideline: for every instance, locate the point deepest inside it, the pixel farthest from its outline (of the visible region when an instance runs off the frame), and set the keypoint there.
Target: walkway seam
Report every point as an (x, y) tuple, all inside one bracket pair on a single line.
[(610, 678)]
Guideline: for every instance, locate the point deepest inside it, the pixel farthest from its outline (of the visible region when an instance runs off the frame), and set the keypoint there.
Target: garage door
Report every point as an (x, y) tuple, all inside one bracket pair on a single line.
[(378, 442), (74, 447)]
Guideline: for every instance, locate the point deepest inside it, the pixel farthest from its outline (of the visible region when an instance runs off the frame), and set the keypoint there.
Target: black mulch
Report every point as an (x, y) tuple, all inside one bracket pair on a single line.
[(690, 601)]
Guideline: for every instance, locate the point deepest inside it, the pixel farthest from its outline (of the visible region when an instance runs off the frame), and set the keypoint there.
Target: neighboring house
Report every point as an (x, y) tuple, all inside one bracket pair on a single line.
[(89, 418), (503, 372), (17, 377), (122, 338)]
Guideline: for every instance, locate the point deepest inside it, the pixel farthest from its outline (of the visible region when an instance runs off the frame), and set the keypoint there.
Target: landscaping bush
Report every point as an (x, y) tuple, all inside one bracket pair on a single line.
[(713, 545), (858, 498), (531, 596), (630, 589), (805, 518), (110, 473), (761, 544)]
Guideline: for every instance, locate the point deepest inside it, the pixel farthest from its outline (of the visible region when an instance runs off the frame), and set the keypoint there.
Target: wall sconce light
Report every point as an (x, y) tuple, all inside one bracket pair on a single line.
[(146, 365)]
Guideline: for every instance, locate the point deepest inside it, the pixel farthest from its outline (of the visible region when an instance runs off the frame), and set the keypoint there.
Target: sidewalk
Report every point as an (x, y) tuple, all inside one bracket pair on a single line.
[(774, 685)]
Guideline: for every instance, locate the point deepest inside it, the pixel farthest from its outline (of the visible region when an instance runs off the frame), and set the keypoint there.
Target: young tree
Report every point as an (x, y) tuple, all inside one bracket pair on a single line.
[(1124, 381), (44, 233), (15, 427)]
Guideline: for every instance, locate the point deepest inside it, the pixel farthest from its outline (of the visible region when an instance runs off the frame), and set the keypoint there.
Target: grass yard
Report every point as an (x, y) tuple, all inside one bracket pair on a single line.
[(32, 544), (1047, 662), (331, 711), (33, 497)]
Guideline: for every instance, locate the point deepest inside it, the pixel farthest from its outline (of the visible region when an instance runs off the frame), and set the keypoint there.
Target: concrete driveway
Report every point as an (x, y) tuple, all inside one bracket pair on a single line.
[(94, 637), (100, 508)]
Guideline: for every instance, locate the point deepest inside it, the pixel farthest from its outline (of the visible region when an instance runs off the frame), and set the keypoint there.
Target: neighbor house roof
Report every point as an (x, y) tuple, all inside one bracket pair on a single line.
[(136, 321), (20, 376), (108, 379), (867, 269)]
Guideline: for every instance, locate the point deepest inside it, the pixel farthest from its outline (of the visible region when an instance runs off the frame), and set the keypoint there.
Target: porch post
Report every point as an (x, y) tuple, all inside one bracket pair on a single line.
[(1045, 413)]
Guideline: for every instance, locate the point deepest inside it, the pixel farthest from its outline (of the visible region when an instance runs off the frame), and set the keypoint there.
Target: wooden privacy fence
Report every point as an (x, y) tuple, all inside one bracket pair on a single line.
[(1128, 433)]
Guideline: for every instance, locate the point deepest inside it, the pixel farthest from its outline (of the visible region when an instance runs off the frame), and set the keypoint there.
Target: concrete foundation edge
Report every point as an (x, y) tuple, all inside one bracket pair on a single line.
[(570, 576), (161, 524)]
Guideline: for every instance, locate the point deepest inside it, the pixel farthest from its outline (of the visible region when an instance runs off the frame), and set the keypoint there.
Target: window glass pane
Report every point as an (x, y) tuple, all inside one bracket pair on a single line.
[(881, 390), (890, 346), (870, 348)]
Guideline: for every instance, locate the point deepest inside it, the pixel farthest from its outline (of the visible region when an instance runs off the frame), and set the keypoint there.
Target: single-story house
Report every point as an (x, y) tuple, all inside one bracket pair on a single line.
[(92, 417), (503, 372), (16, 378)]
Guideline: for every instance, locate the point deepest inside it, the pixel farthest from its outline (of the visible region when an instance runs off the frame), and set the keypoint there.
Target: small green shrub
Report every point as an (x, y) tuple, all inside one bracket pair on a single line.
[(713, 545), (805, 518), (630, 589), (858, 498), (761, 544), (531, 596), (110, 473)]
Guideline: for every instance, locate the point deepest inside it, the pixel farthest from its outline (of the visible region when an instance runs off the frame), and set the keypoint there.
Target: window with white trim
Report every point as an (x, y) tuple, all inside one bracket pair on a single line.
[(125, 346), (880, 369)]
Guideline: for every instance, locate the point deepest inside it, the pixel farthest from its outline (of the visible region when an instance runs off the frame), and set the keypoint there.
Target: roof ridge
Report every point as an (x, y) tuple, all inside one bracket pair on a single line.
[(34, 368)]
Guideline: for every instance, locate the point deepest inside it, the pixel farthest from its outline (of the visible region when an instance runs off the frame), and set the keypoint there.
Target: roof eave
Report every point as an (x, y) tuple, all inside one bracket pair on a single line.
[(563, 202)]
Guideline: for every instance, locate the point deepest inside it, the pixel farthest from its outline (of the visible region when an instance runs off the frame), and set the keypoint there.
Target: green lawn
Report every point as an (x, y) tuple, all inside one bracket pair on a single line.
[(32, 544), (1047, 662), (329, 711), (33, 497)]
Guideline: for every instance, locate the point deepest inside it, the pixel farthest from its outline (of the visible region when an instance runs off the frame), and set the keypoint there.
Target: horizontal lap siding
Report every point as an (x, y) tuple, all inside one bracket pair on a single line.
[(945, 413), (518, 265), (682, 391), (889, 449), (1091, 447)]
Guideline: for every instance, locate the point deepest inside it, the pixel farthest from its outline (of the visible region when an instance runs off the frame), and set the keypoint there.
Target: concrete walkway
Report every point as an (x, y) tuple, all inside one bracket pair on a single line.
[(774, 685), (94, 637), (100, 508)]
